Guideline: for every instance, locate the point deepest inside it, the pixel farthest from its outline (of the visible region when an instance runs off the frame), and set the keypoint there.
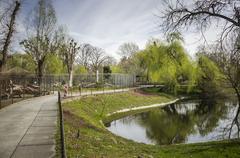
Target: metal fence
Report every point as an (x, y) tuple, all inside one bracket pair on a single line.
[(104, 79), (14, 88), (17, 88)]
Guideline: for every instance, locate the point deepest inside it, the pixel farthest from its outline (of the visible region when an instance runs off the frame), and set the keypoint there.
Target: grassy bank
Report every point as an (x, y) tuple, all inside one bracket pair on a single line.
[(86, 136)]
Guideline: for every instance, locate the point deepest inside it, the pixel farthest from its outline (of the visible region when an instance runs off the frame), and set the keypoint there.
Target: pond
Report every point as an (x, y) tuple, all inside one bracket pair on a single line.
[(189, 121)]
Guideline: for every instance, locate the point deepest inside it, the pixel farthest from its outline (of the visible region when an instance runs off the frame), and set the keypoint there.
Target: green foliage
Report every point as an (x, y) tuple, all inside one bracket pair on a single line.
[(79, 69), (107, 69), (107, 72), (116, 69), (54, 65), (21, 61), (209, 77), (168, 63)]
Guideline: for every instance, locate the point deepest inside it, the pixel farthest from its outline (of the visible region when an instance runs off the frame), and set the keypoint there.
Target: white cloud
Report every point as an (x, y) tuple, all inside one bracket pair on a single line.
[(109, 23)]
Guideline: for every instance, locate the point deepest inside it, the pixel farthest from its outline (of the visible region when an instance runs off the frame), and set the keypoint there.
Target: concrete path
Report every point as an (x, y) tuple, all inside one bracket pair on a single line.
[(27, 128)]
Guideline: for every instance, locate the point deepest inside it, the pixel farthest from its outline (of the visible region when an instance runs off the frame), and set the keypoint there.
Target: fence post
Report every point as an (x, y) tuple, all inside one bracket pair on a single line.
[(24, 86), (103, 89), (45, 85), (122, 83), (53, 84), (11, 84)]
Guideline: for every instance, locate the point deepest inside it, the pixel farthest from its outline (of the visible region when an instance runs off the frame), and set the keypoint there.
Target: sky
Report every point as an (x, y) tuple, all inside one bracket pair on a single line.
[(110, 23)]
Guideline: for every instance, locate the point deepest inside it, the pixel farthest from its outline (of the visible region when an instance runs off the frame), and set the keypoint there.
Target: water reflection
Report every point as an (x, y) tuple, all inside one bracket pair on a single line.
[(185, 122)]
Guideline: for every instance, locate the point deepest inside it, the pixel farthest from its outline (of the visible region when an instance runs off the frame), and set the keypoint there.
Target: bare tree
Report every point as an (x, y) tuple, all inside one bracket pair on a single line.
[(84, 55), (97, 58), (229, 53), (109, 61), (8, 20), (69, 52), (43, 38), (202, 14), (128, 49)]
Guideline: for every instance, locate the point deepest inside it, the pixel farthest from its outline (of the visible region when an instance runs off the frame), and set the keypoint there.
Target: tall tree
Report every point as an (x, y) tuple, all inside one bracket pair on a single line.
[(9, 20), (227, 56), (43, 39), (203, 13)]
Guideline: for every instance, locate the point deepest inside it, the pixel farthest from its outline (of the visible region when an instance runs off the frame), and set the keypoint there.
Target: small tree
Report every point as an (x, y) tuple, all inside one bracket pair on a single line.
[(97, 58), (69, 52), (107, 72)]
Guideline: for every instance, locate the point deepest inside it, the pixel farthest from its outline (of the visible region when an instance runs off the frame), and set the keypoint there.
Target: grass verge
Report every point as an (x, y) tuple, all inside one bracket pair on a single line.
[(87, 137)]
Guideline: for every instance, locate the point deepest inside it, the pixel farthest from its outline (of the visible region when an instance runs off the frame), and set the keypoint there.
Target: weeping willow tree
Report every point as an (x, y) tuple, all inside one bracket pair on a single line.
[(168, 63), (208, 77)]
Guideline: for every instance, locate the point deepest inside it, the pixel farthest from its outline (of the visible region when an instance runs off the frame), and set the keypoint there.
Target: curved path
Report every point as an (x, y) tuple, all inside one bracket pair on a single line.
[(27, 128)]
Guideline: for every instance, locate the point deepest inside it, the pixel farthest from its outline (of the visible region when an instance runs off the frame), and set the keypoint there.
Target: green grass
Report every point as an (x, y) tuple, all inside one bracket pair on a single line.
[(58, 140), (76, 89), (87, 137)]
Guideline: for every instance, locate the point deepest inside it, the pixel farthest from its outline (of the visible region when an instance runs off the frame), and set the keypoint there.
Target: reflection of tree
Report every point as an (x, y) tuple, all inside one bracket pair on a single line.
[(208, 113), (169, 125), (229, 129)]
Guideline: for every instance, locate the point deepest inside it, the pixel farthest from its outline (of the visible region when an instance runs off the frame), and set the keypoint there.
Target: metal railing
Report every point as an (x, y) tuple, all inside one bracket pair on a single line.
[(61, 125)]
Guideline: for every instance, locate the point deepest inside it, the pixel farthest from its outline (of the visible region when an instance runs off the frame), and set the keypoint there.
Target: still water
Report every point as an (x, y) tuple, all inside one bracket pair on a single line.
[(183, 122)]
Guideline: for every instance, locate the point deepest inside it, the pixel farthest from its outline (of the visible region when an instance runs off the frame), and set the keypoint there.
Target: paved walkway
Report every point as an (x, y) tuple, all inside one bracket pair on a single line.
[(27, 128)]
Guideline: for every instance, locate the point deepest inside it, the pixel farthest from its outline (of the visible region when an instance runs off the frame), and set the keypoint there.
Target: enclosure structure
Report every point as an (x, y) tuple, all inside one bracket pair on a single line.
[(16, 87), (102, 80)]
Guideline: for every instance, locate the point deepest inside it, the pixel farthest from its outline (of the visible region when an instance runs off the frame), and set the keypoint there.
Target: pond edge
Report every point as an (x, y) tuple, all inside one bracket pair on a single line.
[(134, 110), (145, 107)]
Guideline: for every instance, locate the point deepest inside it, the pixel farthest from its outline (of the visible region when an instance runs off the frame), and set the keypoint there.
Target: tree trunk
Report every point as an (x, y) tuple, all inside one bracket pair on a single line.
[(70, 78), (235, 120), (8, 36), (238, 95), (97, 76), (40, 72)]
